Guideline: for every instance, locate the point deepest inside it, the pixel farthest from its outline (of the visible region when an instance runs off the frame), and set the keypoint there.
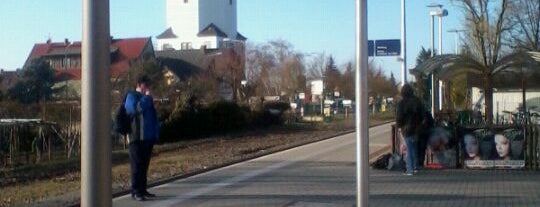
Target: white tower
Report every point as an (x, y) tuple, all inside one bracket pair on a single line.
[(194, 23)]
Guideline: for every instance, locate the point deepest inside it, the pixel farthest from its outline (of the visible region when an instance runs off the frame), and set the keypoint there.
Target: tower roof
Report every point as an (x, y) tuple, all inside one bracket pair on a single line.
[(167, 34), (211, 30), (240, 37)]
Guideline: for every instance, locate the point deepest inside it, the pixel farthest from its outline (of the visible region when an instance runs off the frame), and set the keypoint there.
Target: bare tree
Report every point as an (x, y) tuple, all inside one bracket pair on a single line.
[(274, 68), (317, 66), (259, 62), (525, 15), (487, 25), (293, 79)]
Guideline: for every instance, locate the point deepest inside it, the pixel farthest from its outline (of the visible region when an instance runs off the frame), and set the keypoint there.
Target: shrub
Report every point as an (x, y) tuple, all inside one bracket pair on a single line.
[(272, 114), (218, 117), (227, 116)]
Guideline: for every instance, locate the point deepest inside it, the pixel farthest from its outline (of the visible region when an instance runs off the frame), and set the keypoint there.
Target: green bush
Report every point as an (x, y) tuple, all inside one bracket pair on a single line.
[(219, 118), (227, 116), (216, 118), (273, 113)]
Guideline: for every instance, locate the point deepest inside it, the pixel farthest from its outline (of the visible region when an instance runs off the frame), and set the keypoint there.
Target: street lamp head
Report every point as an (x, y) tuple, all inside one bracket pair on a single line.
[(444, 12), (435, 5), (439, 12)]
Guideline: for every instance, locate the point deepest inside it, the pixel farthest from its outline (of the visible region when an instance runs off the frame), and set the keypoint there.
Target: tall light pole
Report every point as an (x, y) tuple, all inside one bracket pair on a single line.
[(442, 13), (433, 13), (438, 12), (403, 45), (456, 31)]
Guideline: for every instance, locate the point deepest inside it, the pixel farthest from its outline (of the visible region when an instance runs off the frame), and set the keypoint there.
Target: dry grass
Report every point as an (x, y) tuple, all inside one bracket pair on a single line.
[(173, 160)]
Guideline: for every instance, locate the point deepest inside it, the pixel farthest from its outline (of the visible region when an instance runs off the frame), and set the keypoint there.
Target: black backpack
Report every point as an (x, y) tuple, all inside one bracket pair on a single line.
[(122, 120), (381, 162)]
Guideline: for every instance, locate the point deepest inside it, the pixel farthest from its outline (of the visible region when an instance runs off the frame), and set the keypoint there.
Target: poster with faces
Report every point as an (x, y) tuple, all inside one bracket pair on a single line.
[(502, 148)]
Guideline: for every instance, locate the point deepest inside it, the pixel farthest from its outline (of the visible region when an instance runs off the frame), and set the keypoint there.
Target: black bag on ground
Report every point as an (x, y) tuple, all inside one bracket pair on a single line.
[(122, 120), (395, 162), (381, 162)]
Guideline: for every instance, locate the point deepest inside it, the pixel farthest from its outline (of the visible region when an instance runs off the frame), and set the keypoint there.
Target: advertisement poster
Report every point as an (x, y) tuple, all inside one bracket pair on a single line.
[(442, 145), (502, 148)]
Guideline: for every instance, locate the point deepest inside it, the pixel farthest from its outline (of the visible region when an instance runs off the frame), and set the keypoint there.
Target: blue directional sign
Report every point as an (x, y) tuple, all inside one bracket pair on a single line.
[(387, 47), (371, 48)]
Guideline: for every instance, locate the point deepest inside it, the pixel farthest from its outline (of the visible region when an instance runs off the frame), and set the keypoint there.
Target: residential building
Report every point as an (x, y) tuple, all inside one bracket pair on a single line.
[(65, 57)]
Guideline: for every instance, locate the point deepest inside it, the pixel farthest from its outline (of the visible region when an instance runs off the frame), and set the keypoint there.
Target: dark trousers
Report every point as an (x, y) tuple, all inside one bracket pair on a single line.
[(139, 155), (421, 146)]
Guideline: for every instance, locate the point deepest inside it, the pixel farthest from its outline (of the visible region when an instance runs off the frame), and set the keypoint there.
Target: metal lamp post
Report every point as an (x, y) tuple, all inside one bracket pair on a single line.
[(439, 12), (403, 45), (433, 13), (456, 31)]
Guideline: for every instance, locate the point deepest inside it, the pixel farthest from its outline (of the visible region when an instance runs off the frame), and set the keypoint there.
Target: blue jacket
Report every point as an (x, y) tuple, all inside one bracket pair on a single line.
[(141, 108)]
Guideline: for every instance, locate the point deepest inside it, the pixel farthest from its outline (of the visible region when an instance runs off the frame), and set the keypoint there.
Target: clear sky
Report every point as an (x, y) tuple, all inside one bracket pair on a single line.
[(311, 26)]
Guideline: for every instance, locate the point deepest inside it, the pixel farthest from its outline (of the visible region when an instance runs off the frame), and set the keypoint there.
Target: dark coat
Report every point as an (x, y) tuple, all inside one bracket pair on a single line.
[(409, 115)]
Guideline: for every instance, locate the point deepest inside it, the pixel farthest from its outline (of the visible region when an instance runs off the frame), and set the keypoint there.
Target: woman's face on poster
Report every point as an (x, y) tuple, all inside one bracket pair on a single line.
[(471, 145), (502, 145)]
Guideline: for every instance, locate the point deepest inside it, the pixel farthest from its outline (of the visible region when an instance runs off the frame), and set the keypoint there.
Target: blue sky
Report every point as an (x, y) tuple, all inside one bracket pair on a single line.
[(311, 26)]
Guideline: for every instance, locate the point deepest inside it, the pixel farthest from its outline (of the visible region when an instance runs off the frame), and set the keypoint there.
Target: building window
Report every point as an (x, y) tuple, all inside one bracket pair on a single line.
[(186, 1), (185, 45), (230, 2), (166, 46)]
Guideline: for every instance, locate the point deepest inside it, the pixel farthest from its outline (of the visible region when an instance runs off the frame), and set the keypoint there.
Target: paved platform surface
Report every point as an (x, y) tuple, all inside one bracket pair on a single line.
[(323, 175), (455, 187)]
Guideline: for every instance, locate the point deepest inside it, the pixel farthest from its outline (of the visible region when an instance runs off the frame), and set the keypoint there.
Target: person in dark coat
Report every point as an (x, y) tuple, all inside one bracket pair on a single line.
[(409, 115)]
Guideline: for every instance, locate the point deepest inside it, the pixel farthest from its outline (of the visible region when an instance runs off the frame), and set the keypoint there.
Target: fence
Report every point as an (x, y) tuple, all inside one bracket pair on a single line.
[(55, 135)]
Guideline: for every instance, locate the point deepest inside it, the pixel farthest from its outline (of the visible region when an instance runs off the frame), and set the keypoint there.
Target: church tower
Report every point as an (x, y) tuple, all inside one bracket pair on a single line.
[(192, 24)]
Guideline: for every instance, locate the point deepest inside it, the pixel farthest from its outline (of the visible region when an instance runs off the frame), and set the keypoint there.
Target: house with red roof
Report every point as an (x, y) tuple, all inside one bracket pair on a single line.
[(65, 57)]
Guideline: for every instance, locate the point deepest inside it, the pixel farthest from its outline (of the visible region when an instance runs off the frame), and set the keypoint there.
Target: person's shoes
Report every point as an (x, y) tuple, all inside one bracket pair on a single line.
[(138, 197), (415, 171), (149, 195), (408, 174)]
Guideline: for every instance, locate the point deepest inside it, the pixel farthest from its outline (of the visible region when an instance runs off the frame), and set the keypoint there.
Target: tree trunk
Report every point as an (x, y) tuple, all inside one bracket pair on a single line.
[(488, 91)]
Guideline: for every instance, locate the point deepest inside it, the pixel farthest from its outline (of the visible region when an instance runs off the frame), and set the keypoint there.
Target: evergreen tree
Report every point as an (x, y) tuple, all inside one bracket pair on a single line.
[(332, 77), (36, 87)]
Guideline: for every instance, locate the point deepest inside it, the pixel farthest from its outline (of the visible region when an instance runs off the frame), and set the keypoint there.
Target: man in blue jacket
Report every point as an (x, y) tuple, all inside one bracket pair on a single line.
[(144, 134)]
